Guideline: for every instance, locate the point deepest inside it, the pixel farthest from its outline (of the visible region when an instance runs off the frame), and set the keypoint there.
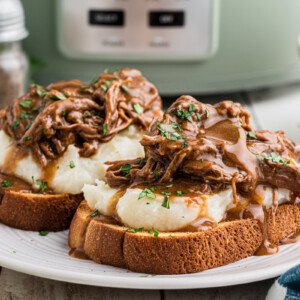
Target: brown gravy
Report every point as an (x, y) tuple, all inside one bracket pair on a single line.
[(78, 253), (200, 224), (86, 115), (18, 185)]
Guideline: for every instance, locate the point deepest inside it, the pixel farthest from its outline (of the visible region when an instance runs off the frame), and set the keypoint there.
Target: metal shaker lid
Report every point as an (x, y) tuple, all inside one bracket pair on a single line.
[(12, 21)]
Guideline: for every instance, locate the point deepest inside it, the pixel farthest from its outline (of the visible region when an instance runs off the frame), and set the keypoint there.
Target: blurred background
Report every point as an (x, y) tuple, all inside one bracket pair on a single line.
[(248, 51)]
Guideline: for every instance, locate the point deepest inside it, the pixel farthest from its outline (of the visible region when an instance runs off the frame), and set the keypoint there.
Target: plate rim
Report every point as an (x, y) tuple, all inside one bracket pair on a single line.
[(159, 282)]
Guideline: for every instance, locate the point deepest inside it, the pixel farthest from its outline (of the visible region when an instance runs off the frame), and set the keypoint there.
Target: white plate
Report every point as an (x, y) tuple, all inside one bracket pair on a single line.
[(30, 253)]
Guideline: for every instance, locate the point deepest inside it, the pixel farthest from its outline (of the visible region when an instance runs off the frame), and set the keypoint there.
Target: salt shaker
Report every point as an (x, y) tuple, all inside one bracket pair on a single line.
[(14, 65)]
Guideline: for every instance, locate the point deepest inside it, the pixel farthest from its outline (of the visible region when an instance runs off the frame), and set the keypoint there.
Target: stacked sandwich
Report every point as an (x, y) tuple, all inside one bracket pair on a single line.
[(209, 191), (55, 139)]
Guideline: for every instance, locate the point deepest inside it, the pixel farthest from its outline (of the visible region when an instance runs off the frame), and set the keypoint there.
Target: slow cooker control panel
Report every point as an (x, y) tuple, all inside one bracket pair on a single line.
[(137, 29)]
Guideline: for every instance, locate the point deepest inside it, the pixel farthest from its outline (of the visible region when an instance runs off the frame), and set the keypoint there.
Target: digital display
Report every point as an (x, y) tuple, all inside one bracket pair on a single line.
[(166, 18), (106, 17)]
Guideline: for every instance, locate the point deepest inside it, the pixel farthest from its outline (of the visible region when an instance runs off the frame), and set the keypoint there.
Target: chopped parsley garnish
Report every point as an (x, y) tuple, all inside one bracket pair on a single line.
[(87, 115), (26, 103), (152, 188), (146, 193), (275, 158), (173, 136), (140, 162), (6, 183), (35, 108), (251, 134), (170, 185), (44, 232), (207, 113), (184, 115), (155, 233), (15, 124), (259, 159), (64, 113), (184, 144), (156, 174), (126, 169), (176, 125), (176, 136), (41, 92), (72, 165), (179, 193), (24, 115), (166, 193), (42, 185), (104, 129), (27, 138), (94, 214), (192, 107), (134, 230), (104, 88), (57, 97), (254, 152), (94, 81), (28, 125), (139, 110), (166, 202)]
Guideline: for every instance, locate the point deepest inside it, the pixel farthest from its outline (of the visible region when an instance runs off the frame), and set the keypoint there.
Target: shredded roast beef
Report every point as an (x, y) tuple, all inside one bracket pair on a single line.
[(214, 144), (48, 119)]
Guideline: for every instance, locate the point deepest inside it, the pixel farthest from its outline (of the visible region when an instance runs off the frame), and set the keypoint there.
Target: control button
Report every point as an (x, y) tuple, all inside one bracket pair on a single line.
[(159, 42), (113, 41), (106, 17), (166, 18)]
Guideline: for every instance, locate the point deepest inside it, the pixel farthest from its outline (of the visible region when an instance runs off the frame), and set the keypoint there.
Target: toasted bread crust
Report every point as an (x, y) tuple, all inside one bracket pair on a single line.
[(30, 211), (181, 252)]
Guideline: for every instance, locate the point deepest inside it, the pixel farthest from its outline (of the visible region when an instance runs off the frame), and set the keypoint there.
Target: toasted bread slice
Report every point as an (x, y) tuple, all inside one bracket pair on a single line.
[(21, 208), (179, 252)]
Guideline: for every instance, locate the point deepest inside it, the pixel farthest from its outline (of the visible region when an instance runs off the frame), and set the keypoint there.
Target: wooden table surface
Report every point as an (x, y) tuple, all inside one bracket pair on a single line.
[(273, 109)]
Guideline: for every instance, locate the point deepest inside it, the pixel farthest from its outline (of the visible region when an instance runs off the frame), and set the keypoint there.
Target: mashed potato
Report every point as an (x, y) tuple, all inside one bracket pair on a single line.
[(149, 213), (124, 145)]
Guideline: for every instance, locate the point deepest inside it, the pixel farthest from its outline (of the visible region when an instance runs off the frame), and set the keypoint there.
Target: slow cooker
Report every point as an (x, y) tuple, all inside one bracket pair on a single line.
[(183, 46)]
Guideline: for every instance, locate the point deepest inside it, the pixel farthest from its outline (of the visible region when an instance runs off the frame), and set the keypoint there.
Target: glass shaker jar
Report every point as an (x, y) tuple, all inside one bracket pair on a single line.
[(14, 65)]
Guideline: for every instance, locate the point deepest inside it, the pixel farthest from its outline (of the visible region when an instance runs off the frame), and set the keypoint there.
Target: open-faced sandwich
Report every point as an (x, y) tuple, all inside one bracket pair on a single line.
[(209, 191), (55, 139)]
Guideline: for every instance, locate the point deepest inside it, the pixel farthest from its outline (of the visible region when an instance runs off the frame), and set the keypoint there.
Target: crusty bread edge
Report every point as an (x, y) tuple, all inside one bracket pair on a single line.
[(36, 212), (176, 253)]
